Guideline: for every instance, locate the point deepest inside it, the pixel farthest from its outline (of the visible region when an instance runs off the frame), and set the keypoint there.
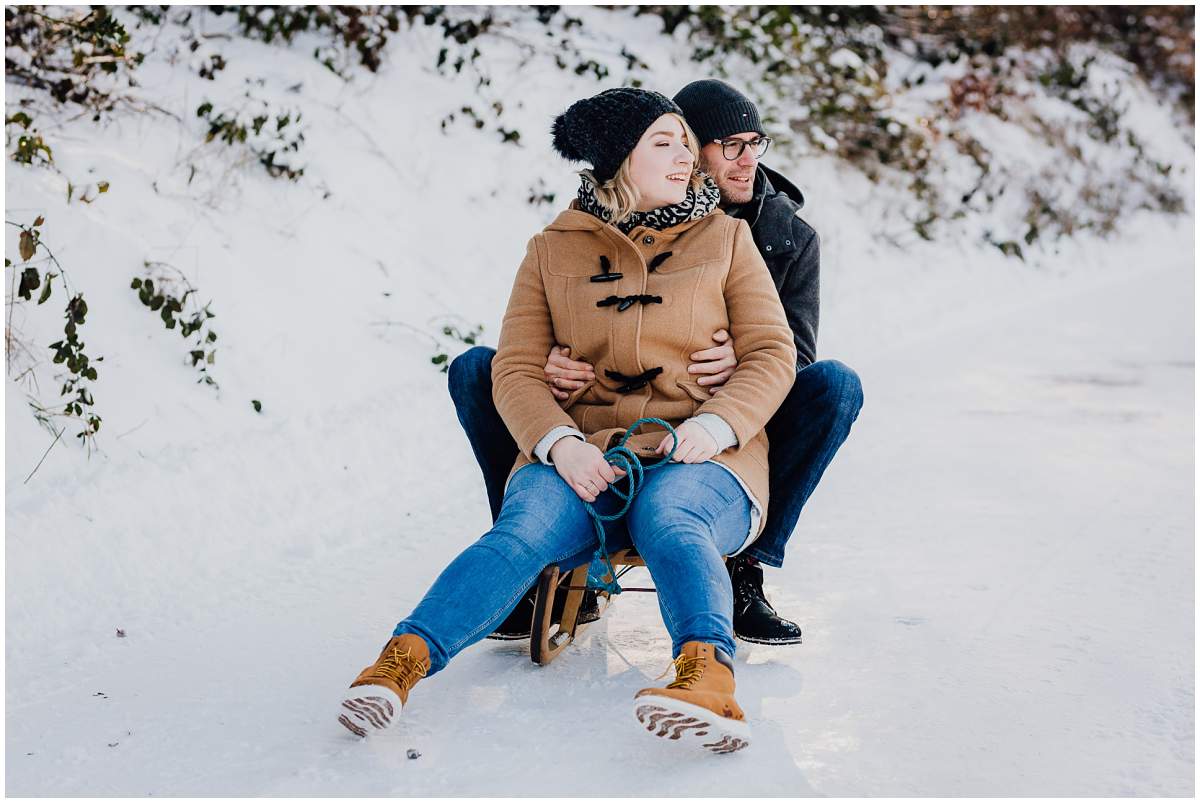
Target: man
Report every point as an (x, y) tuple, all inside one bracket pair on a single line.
[(808, 427)]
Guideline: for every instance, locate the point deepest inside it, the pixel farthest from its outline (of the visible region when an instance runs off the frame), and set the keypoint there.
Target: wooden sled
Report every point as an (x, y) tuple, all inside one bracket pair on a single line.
[(547, 640)]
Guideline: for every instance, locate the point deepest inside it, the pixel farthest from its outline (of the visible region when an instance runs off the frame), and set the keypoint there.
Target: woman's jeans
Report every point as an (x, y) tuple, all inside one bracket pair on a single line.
[(805, 433), (683, 520)]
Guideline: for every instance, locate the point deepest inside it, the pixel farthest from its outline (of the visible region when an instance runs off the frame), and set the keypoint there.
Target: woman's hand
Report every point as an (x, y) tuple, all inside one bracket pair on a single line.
[(583, 466), (695, 444)]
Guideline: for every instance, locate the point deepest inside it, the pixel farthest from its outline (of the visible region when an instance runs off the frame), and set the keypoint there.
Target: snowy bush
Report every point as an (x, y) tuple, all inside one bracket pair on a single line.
[(77, 57), (898, 92), (269, 135), (1011, 126), (165, 289), (75, 396)]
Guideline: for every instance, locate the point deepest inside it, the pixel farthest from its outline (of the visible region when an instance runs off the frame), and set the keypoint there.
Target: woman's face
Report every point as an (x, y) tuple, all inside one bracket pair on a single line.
[(660, 166)]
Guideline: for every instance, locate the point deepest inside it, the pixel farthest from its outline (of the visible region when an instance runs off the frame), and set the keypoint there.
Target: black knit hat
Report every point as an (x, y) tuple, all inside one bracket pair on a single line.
[(715, 110), (604, 129)]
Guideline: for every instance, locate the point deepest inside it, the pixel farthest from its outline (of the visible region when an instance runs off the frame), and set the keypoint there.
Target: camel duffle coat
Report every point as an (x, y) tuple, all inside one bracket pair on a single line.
[(636, 307)]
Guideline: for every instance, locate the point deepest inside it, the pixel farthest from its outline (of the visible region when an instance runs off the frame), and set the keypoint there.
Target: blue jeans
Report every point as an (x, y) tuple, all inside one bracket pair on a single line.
[(683, 520), (805, 433)]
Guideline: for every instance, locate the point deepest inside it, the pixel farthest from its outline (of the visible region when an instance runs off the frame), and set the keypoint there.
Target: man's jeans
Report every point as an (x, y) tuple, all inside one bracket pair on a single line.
[(805, 433), (683, 520)]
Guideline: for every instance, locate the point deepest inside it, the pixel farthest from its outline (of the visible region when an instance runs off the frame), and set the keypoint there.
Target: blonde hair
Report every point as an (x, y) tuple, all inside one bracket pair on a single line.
[(620, 196)]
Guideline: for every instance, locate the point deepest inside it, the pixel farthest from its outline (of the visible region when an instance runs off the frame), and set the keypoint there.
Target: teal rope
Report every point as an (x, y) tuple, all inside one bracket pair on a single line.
[(623, 458)]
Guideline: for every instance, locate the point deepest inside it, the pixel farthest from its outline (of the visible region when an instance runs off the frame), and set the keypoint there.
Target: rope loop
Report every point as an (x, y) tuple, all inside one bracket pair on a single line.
[(622, 457)]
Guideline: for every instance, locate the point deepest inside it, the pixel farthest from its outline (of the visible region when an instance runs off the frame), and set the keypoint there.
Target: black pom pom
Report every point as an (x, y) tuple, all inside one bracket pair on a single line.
[(562, 142)]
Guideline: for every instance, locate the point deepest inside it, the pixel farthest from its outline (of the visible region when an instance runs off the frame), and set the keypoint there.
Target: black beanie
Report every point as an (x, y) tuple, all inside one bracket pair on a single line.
[(604, 129), (715, 110)]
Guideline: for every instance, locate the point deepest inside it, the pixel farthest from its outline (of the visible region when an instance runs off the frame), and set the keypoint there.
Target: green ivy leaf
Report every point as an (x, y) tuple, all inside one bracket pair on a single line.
[(257, 405), (46, 290)]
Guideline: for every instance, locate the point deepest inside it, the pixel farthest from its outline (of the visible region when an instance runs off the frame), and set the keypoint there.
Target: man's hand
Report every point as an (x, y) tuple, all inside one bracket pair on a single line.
[(583, 467), (717, 363), (564, 374), (695, 444)]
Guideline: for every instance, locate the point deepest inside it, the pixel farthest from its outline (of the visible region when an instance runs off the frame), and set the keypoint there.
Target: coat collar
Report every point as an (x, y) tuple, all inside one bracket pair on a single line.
[(770, 212), (767, 184), (575, 219), (780, 183)]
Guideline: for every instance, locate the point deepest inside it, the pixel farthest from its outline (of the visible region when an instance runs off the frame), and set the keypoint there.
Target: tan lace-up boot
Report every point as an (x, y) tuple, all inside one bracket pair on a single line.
[(379, 693), (697, 708)]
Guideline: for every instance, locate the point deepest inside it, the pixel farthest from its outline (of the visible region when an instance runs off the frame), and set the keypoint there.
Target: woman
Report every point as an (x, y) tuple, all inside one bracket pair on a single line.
[(633, 276)]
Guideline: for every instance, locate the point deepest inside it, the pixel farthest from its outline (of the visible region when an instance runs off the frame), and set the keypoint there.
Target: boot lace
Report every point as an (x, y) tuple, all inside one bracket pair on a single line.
[(400, 667), (687, 671), (747, 587)]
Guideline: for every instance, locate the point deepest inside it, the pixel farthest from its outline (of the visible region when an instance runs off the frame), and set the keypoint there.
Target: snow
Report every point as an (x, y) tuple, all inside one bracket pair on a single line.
[(842, 58), (995, 577)]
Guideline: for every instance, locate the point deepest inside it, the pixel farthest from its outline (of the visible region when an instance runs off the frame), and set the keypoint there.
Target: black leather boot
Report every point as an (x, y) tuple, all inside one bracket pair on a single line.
[(519, 623), (754, 619)]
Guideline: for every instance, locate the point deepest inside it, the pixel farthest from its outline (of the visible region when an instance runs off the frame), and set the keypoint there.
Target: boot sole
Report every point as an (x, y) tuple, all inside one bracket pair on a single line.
[(692, 725), (508, 636), (776, 641), (366, 709)]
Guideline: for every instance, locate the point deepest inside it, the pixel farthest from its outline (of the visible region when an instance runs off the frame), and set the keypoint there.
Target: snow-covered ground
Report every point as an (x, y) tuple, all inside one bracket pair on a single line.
[(995, 578)]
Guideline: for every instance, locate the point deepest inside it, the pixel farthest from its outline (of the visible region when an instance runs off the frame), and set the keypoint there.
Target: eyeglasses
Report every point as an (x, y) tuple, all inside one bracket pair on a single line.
[(732, 149)]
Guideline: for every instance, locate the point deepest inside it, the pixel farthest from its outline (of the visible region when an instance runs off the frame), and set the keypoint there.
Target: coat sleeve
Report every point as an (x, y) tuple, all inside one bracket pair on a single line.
[(519, 387), (800, 293), (762, 343)]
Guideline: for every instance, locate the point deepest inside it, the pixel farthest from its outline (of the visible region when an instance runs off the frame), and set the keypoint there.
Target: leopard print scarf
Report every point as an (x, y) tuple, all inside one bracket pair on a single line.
[(695, 205)]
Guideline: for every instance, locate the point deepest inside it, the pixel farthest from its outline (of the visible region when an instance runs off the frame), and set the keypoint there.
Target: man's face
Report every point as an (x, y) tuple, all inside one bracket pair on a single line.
[(734, 178)]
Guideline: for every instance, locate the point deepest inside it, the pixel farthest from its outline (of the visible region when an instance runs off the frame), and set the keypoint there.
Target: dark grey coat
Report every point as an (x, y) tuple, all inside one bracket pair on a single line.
[(792, 251)]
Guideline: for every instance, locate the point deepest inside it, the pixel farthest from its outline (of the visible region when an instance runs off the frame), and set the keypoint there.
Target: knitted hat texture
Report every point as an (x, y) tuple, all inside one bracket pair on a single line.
[(604, 129), (715, 110)]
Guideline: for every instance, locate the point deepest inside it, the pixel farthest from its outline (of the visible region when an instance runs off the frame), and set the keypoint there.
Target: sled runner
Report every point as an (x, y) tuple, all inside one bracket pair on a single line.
[(547, 640), (564, 591)]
